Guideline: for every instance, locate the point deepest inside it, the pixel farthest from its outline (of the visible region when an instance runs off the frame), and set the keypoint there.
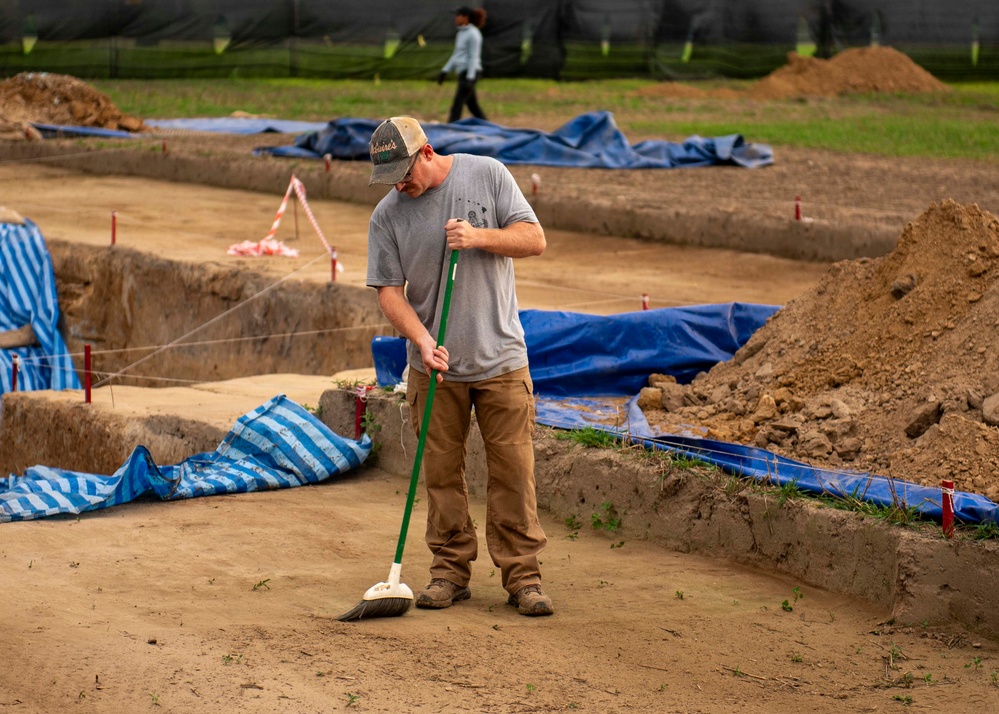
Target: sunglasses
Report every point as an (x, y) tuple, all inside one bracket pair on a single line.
[(409, 172)]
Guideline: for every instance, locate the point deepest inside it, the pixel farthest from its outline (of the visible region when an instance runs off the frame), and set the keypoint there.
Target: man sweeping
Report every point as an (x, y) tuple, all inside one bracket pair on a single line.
[(470, 204)]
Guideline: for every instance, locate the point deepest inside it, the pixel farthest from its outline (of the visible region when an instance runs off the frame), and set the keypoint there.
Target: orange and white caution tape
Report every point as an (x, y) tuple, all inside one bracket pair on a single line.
[(300, 192), (269, 246), (280, 212)]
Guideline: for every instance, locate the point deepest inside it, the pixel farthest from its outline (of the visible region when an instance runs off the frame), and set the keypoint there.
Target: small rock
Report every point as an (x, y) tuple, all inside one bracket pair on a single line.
[(719, 394), (788, 424), (765, 371), (765, 409), (977, 268), (650, 398), (657, 380), (903, 286), (922, 417), (849, 448), (990, 410), (672, 396), (814, 444), (839, 409)]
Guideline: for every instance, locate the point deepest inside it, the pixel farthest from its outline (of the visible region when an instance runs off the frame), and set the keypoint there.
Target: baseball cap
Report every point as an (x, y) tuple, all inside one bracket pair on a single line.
[(392, 145)]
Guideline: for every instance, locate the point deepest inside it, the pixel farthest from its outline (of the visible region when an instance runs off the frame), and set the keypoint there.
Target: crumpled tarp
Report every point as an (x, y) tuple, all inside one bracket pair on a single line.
[(28, 296), (590, 140), (587, 371), (277, 445)]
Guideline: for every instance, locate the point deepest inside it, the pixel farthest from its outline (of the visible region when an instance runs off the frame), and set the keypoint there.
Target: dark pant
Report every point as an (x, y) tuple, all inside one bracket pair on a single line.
[(465, 94)]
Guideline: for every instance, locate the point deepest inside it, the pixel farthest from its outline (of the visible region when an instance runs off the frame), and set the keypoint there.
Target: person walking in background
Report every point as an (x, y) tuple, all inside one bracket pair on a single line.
[(466, 61), (472, 204)]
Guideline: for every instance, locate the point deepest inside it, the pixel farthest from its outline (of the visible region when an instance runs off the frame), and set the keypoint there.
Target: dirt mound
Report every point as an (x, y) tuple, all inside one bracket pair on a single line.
[(852, 71), (856, 70), (888, 365), (56, 99)]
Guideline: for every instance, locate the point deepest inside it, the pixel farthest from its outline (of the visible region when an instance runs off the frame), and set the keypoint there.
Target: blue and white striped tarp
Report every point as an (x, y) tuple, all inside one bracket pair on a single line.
[(28, 295), (277, 445)]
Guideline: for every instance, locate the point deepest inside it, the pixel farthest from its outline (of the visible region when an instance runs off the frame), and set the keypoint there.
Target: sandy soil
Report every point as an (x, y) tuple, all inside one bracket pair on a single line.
[(227, 603), (579, 271)]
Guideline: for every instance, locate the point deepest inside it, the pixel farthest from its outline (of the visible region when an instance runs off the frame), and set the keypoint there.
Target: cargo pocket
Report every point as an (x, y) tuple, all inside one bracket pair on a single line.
[(531, 411), (412, 394)]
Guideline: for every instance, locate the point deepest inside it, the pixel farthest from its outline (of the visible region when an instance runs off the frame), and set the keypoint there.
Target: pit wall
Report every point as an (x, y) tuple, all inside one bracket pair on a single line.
[(917, 577), (57, 430), (116, 299), (819, 241)]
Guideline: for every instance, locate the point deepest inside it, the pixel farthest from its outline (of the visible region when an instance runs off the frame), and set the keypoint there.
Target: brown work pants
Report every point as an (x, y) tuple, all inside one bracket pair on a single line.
[(504, 410)]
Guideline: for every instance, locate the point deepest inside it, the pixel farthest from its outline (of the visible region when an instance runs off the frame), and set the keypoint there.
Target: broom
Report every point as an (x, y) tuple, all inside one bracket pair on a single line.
[(393, 598)]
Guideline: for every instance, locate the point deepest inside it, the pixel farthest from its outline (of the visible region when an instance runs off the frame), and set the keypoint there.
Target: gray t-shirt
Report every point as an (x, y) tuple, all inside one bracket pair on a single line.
[(407, 246)]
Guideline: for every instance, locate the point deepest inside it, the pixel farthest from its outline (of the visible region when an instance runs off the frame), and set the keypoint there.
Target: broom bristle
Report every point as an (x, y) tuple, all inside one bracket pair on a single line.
[(382, 607)]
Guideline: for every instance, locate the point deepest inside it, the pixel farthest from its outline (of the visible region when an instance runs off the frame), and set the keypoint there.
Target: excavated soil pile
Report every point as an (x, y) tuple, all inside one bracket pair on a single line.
[(852, 71), (888, 365), (56, 99)]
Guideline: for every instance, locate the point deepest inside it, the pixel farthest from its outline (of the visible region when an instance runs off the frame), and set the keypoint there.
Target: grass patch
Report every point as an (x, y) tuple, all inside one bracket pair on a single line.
[(589, 437), (957, 124)]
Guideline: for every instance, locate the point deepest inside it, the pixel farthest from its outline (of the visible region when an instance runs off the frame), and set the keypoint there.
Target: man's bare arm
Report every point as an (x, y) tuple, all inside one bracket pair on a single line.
[(517, 240), (394, 305)]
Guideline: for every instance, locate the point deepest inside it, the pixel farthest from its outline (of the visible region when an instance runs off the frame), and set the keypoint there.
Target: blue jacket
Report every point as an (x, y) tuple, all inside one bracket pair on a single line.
[(467, 55)]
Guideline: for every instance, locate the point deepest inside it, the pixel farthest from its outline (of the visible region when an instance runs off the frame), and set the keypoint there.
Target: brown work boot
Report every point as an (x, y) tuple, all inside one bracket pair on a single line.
[(531, 600), (441, 593)]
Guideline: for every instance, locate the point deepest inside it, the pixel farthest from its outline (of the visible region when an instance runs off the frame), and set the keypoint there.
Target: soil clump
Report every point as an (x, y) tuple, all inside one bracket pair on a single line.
[(858, 70), (887, 365), (56, 99)]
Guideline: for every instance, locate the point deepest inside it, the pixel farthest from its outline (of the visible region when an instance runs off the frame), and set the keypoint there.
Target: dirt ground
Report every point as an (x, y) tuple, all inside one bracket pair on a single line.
[(226, 603)]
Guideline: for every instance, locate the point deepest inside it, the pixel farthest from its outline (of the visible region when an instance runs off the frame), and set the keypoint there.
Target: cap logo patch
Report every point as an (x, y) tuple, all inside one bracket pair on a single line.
[(383, 148)]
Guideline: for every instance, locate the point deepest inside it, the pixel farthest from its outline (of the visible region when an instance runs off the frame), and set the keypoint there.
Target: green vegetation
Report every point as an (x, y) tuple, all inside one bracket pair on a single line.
[(958, 124), (589, 437), (986, 531), (608, 519), (796, 594), (896, 513)]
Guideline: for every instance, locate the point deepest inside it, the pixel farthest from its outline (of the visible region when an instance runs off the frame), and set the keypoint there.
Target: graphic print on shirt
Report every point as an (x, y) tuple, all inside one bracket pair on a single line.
[(477, 218)]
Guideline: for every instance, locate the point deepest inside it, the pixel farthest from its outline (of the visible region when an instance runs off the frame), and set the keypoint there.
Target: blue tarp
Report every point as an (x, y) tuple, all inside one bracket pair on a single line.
[(571, 353), (277, 445), (590, 140), (587, 371), (574, 354), (223, 125), (28, 296), (56, 131), (238, 125)]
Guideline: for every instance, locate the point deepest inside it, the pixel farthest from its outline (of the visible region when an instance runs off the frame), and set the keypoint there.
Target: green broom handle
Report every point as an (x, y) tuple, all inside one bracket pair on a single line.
[(421, 442)]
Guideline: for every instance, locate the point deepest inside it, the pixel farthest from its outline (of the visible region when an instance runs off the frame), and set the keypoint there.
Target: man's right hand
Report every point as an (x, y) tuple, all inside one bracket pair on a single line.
[(434, 358), (441, 77)]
